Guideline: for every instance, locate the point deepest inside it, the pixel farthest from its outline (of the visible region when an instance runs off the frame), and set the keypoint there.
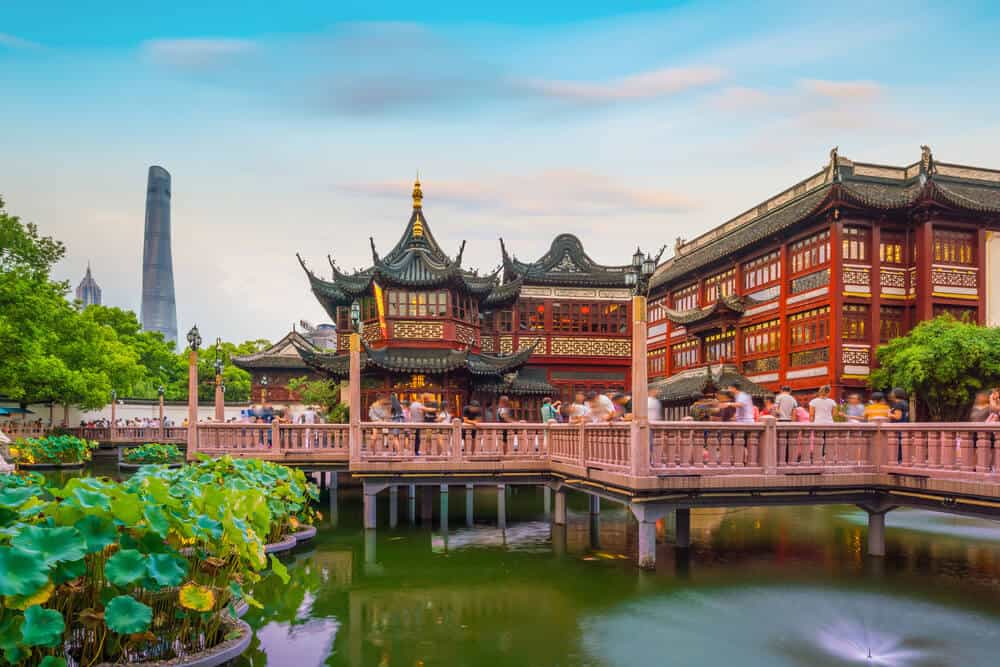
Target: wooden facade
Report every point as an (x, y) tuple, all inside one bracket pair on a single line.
[(802, 289), (531, 329)]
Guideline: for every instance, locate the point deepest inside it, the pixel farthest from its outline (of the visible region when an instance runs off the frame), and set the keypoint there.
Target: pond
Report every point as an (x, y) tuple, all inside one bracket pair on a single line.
[(774, 587)]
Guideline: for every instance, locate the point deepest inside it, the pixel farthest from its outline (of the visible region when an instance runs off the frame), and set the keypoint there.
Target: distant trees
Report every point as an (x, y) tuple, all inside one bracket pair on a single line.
[(52, 350), (943, 362)]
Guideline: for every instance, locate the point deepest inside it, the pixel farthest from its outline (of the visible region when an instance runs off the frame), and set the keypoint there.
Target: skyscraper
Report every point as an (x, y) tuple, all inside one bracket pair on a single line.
[(159, 310), (88, 291)]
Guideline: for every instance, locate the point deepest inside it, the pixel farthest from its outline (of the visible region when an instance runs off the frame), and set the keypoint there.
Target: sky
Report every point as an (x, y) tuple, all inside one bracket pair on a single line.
[(299, 127)]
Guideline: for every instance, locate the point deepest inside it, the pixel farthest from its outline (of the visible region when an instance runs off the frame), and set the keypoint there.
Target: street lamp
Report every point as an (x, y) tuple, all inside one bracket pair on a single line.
[(642, 269), (220, 411), (263, 389), (114, 405), (356, 316), (194, 338)]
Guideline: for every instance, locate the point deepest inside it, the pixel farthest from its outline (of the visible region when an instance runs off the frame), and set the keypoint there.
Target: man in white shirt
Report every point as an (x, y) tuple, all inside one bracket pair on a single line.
[(578, 411), (601, 407), (822, 407), (744, 404), (416, 417)]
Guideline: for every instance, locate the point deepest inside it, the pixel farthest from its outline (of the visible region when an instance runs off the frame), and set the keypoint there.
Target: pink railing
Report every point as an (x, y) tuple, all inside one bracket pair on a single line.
[(701, 446), (826, 446), (15, 431), (956, 448), (392, 440), (607, 446), (310, 440), (565, 442)]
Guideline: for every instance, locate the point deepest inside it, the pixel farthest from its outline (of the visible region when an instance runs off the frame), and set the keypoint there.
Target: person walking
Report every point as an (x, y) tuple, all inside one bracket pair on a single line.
[(416, 417), (822, 407), (550, 410), (744, 404), (579, 411), (854, 409), (786, 404)]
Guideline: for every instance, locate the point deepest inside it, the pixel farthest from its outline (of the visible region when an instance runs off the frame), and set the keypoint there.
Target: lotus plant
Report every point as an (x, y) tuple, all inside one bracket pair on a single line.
[(143, 570), (152, 452), (52, 450)]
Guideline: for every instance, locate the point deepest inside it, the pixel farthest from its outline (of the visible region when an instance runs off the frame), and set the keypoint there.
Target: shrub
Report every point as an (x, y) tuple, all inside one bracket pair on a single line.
[(53, 449), (152, 452)]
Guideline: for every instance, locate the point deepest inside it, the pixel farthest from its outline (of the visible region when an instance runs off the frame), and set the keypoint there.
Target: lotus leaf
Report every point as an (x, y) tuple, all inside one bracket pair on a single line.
[(52, 545), (125, 567), (126, 508), (23, 573), (166, 570), (153, 453), (157, 520), (279, 569), (52, 661), (196, 598), (97, 532), (208, 528), (42, 627), (54, 449), (69, 571), (126, 615), (14, 497), (22, 602)]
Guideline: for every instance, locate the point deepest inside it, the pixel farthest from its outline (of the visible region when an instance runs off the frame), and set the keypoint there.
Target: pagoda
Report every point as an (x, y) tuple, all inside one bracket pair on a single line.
[(418, 313)]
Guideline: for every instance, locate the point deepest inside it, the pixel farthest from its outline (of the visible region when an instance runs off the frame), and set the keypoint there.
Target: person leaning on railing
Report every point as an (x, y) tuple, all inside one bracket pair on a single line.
[(985, 410)]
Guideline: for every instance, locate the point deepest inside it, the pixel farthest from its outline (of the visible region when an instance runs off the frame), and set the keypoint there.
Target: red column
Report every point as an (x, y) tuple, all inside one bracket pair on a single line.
[(925, 258), (875, 285), (836, 303), (640, 390), (784, 339)]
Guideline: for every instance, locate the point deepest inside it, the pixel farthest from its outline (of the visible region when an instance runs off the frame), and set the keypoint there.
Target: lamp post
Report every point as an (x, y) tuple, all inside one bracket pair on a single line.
[(354, 378), (638, 278), (220, 412), (114, 405), (161, 390), (194, 342), (263, 390)]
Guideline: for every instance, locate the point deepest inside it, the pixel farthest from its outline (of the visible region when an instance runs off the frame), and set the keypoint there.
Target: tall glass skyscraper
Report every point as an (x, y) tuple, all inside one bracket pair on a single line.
[(159, 309), (88, 291)]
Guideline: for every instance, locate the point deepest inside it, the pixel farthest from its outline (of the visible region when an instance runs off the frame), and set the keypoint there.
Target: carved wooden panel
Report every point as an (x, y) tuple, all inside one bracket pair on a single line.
[(422, 330), (595, 347)]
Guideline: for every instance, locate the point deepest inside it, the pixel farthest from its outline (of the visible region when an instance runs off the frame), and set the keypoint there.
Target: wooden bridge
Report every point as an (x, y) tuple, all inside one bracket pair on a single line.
[(656, 468)]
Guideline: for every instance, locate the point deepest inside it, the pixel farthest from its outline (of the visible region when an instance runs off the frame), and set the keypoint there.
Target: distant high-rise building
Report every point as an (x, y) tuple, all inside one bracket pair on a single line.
[(159, 309), (88, 291)]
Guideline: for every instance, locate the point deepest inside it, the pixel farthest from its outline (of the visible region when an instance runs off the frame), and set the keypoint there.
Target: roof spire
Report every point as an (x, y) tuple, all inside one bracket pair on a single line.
[(418, 195)]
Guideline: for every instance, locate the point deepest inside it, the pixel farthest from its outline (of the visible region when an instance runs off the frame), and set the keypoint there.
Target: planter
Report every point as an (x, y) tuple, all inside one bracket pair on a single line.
[(217, 655), (135, 466), (284, 545), (305, 534), (51, 466)]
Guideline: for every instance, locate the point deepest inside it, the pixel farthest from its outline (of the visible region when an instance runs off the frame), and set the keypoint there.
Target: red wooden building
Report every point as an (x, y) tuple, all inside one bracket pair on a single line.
[(429, 325), (802, 288)]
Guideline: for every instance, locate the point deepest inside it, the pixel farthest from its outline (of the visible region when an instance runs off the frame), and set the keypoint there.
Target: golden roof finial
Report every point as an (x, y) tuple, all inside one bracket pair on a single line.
[(418, 195)]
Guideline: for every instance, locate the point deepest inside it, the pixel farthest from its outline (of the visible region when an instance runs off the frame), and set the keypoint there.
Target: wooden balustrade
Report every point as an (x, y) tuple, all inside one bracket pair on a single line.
[(958, 449), (825, 446), (702, 446), (607, 446)]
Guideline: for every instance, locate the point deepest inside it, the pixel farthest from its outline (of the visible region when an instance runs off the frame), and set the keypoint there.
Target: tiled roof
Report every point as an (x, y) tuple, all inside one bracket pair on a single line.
[(566, 263), (276, 356), (733, 304), (682, 387), (529, 382)]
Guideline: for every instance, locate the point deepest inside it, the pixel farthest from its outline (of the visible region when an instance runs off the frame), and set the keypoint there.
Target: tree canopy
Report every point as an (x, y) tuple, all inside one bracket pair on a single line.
[(54, 350), (943, 362)]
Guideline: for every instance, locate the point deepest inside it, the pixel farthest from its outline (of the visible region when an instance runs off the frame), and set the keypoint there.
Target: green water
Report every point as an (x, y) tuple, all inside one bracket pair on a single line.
[(769, 587)]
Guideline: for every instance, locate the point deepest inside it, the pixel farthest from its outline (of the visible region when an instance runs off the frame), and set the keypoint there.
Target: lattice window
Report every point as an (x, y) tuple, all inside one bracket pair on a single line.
[(720, 346), (811, 327), (720, 285), (855, 321), (811, 252), (684, 354), (656, 310), (960, 313), (685, 298), (405, 303), (890, 248), (577, 317), (891, 323), (762, 271), (855, 244), (657, 361), (531, 315), (954, 247), (763, 338), (818, 355), (505, 320), (343, 318), (464, 308)]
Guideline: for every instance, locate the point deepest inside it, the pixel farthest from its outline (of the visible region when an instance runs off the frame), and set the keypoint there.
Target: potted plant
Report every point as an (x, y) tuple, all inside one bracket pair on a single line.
[(52, 451)]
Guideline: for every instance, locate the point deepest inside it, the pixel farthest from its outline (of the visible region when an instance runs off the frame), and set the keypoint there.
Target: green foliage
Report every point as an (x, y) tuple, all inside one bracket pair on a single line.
[(943, 362), (53, 449), (119, 572), (324, 393), (152, 452)]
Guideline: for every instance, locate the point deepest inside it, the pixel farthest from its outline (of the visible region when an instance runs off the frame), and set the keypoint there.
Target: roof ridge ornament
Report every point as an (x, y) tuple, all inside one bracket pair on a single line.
[(375, 257), (927, 160), (834, 165), (418, 194)]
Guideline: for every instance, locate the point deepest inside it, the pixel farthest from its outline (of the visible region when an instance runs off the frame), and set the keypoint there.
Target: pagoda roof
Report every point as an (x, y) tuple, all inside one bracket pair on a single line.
[(528, 382), (727, 305), (842, 182), (417, 360), (283, 355), (684, 386), (416, 261), (565, 263)]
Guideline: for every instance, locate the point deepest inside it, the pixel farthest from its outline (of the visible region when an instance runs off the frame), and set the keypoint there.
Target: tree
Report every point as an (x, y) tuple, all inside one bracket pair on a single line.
[(943, 362), (324, 393)]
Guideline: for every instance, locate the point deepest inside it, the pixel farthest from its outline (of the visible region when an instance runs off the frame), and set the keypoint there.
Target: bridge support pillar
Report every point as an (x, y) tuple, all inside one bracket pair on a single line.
[(595, 532), (876, 533), (426, 503), (558, 540), (595, 504), (470, 493), (444, 508), (560, 513), (547, 500), (683, 521), (370, 495), (411, 501), (502, 506), (333, 481), (393, 506), (647, 544)]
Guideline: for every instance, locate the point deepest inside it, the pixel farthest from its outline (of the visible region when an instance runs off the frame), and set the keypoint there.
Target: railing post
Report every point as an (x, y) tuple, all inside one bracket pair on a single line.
[(640, 390), (456, 440), (769, 445), (275, 436), (582, 435), (354, 434), (878, 445), (546, 444)]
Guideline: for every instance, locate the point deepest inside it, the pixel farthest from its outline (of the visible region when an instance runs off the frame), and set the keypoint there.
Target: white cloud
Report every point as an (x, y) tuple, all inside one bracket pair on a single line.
[(644, 85), (13, 42), (842, 90), (195, 53)]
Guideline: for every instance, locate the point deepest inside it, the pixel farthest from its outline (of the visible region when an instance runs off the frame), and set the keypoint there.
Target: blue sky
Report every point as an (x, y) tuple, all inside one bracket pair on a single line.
[(298, 127)]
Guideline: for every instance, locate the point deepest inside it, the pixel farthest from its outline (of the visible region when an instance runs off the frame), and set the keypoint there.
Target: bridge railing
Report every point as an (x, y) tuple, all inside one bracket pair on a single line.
[(15, 431), (318, 441), (969, 449), (704, 446), (826, 447)]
